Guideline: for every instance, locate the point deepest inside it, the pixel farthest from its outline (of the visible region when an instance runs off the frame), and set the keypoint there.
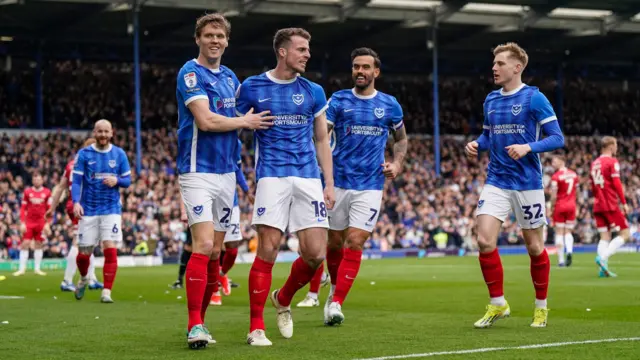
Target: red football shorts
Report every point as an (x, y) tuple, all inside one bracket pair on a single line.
[(564, 219), (610, 221), (34, 232)]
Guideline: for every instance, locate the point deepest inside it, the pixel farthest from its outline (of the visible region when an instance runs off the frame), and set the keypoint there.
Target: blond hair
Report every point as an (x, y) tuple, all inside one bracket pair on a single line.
[(607, 141), (516, 52)]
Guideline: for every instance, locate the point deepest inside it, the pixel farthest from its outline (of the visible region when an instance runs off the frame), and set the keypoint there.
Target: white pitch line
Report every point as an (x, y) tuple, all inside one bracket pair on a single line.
[(5, 297), (483, 350)]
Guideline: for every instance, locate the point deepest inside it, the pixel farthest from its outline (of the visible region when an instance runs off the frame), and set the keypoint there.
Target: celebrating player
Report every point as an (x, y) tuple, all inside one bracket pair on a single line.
[(289, 192), (607, 189), (99, 171), (513, 116), (35, 203), (207, 153), (563, 202), (58, 192), (361, 118)]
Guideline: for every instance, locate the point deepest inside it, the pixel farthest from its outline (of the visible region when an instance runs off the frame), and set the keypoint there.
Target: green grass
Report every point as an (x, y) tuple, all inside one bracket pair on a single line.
[(415, 306)]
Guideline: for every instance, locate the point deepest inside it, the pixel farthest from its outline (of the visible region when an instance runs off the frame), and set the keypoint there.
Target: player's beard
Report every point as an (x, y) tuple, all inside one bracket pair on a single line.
[(363, 84)]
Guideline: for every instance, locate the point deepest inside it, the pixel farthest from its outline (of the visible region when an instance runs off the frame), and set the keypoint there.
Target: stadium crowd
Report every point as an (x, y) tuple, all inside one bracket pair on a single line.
[(420, 210)]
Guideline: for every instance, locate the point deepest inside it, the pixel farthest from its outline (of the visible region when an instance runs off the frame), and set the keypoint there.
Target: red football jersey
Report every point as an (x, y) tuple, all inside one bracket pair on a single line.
[(68, 173), (565, 182), (603, 170), (34, 205)]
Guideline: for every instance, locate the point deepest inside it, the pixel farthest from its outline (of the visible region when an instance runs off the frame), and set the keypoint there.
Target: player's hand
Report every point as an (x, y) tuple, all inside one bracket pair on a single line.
[(47, 229), (49, 213), (329, 196), (78, 211), (625, 209), (471, 150), (251, 197), (259, 121), (184, 217), (390, 170), (518, 151), (110, 181), (23, 228)]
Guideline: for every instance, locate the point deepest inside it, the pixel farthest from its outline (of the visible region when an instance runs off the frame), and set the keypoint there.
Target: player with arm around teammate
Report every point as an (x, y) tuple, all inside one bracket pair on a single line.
[(289, 193), (361, 119), (99, 171), (513, 119), (563, 202), (207, 148), (607, 189)]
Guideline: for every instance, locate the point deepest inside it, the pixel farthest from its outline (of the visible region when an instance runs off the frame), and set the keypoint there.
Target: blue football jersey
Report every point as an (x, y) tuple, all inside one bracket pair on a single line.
[(515, 117), (287, 148), (204, 151), (94, 166), (361, 127)]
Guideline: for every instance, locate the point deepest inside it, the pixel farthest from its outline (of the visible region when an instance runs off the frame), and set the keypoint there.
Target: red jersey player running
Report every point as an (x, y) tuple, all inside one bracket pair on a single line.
[(35, 203), (607, 189), (56, 196), (563, 202)]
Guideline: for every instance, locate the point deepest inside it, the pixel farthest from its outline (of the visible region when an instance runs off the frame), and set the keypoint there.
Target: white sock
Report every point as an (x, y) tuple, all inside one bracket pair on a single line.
[(568, 242), (541, 303), (498, 301), (37, 257), (70, 270), (24, 257), (333, 289), (91, 273), (614, 245), (313, 295), (106, 292), (560, 248), (602, 247)]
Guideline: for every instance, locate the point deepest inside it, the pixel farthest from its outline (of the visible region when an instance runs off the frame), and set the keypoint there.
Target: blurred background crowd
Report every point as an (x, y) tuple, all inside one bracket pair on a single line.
[(420, 209)]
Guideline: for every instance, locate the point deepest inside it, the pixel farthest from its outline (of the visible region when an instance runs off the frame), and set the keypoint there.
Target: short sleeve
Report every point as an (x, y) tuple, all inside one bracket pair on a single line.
[(332, 111), (243, 98), (125, 168), (396, 115), (319, 100), (541, 108), (190, 86)]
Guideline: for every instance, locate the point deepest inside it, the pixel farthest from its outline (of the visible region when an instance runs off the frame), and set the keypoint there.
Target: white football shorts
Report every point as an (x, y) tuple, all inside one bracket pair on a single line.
[(528, 205), (233, 232), (94, 229), (293, 202), (355, 208), (208, 197)]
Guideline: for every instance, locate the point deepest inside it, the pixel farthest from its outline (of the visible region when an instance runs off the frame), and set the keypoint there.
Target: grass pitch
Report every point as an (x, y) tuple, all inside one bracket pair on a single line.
[(397, 307)]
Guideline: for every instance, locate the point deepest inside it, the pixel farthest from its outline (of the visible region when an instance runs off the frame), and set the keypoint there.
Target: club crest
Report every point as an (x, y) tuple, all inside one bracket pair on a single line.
[(378, 112), (230, 82), (190, 79), (197, 209), (516, 109), (480, 203), (298, 99), (261, 211), (112, 163)]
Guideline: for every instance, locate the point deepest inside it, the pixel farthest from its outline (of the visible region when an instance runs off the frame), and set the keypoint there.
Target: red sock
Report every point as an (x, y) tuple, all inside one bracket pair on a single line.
[(492, 272), (334, 257), (213, 270), (300, 275), (83, 261), (259, 286), (110, 267), (347, 273), (196, 284), (540, 267), (314, 284), (229, 259)]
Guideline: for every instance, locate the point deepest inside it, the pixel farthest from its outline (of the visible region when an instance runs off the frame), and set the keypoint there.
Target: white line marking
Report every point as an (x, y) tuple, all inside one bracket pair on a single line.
[(483, 350), (4, 297)]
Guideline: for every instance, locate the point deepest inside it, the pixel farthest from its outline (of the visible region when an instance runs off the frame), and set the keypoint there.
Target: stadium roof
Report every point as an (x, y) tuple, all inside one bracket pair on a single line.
[(601, 30)]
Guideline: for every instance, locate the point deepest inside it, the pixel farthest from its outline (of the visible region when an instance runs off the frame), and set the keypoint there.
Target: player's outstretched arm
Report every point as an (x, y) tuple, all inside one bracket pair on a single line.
[(56, 195), (391, 170), (206, 120), (323, 149)]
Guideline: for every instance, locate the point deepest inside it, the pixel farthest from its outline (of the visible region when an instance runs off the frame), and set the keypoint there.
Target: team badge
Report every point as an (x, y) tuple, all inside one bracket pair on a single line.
[(197, 210), (480, 203), (378, 112), (298, 99), (261, 211), (190, 79), (112, 163), (230, 82), (516, 109)]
